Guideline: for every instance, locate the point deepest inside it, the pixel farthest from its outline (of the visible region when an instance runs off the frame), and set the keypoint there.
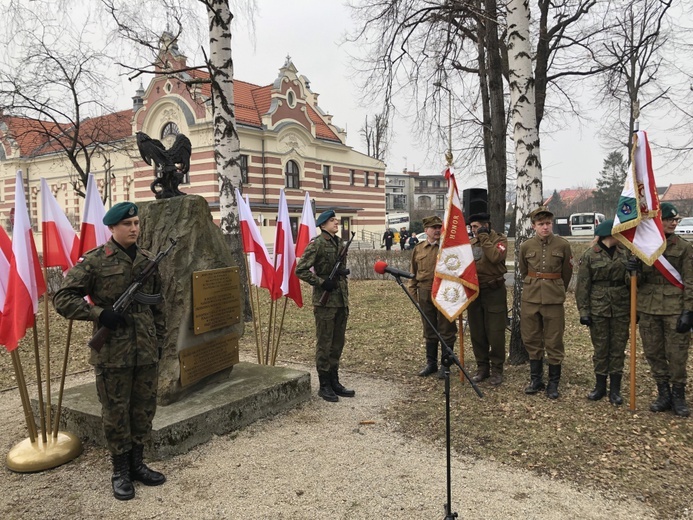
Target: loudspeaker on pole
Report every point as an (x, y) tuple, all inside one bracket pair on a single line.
[(474, 200)]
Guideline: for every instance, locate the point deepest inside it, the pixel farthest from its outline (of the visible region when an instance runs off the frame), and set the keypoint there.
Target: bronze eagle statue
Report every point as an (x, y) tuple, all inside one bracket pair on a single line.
[(171, 165)]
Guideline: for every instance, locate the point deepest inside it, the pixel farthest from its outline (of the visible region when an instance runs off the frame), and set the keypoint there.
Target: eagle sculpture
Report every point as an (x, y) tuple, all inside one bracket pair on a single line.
[(171, 164)]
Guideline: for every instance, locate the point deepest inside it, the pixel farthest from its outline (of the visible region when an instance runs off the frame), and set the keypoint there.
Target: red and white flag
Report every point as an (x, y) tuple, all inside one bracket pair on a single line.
[(638, 220), (60, 242), (25, 282), (259, 263), (93, 232), (455, 282), (307, 229), (5, 259), (286, 283)]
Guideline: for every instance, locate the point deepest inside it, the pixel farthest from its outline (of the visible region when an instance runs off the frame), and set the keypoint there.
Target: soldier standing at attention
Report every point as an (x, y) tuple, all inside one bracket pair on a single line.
[(546, 266), (666, 317), (126, 368), (488, 313), (321, 255), (603, 298), (423, 266)]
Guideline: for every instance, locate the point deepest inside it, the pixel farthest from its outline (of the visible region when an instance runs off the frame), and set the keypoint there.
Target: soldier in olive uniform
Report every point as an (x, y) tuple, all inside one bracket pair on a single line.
[(423, 266), (666, 316), (546, 267), (126, 367), (603, 298), (321, 254), (487, 314)]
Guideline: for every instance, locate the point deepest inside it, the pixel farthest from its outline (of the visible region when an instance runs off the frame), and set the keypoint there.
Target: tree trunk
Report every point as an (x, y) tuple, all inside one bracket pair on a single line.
[(527, 156)]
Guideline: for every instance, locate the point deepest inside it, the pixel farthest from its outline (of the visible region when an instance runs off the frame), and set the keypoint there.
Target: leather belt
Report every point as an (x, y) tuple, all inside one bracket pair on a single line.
[(545, 276)]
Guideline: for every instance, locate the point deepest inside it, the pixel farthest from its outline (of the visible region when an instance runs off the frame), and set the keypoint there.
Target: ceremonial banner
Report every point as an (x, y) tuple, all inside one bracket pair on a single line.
[(455, 283)]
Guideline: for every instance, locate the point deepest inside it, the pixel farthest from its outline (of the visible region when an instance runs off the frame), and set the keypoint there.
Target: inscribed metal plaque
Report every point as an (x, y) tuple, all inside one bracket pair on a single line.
[(207, 358), (216, 299)]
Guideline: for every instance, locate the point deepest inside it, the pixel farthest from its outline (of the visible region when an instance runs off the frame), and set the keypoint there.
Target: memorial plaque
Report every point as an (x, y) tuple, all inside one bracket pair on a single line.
[(216, 299), (207, 358)]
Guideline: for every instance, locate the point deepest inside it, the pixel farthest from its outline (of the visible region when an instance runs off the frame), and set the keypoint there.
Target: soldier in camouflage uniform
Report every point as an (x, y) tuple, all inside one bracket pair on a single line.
[(602, 295), (314, 267), (546, 267), (126, 366), (666, 317), (423, 266), (488, 313)]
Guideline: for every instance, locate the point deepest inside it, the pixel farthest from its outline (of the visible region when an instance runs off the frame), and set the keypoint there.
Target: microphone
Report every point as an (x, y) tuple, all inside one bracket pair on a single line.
[(381, 267)]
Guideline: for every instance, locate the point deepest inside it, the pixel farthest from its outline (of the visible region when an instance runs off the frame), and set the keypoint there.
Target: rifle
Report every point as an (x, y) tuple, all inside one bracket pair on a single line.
[(336, 268), (130, 295)]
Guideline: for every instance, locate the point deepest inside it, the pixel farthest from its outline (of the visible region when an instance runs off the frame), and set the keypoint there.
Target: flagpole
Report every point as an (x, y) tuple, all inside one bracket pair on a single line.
[(275, 349), (39, 384), (269, 332), (461, 328), (62, 379), (261, 341), (24, 395), (633, 326), (47, 349), (252, 308)]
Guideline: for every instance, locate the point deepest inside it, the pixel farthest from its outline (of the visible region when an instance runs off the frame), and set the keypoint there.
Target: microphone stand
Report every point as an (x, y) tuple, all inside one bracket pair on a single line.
[(448, 357)]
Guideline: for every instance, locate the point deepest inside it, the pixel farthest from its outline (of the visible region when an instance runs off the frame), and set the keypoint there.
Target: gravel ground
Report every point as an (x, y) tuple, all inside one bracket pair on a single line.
[(320, 460)]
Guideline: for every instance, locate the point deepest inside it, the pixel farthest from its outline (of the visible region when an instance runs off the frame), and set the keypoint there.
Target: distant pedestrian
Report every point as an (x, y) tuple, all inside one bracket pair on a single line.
[(413, 240), (388, 238), (403, 237)]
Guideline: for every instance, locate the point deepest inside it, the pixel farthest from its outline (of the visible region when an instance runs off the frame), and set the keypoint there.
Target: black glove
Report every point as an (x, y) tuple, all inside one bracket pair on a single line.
[(329, 285), (343, 271), (482, 231), (111, 319), (685, 322), (634, 265), (586, 320)]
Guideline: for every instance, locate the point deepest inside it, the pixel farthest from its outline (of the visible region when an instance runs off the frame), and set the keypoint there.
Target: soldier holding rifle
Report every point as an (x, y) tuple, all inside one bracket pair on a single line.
[(323, 265), (126, 368)]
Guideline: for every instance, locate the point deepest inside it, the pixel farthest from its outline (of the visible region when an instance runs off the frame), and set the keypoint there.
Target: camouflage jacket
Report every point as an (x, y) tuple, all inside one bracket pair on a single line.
[(540, 257), (656, 295), (603, 283), (490, 250), (321, 255), (104, 274)]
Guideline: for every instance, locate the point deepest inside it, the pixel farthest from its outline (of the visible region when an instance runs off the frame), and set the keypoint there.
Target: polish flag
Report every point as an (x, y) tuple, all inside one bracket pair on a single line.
[(25, 282), (5, 259), (455, 282), (60, 242), (307, 229), (93, 232), (259, 263), (286, 283)]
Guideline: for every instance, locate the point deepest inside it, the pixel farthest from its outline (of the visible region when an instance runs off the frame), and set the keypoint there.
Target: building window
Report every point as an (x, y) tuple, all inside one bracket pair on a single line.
[(376, 179), (400, 201), (352, 177), (169, 133), (440, 201), (423, 184), (365, 178), (291, 99), (424, 202), (436, 184), (325, 177), (291, 172), (243, 163)]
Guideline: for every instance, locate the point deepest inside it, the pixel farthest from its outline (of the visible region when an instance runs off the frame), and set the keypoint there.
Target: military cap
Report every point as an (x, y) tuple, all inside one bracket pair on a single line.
[(541, 211), (479, 217), (604, 229), (119, 212), (669, 210), (324, 217), (432, 221)]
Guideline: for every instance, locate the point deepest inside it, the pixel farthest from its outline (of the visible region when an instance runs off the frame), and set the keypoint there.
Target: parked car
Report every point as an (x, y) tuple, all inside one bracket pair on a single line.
[(685, 227)]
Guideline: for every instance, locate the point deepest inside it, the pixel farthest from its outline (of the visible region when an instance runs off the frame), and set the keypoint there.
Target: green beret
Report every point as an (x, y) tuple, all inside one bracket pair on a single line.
[(119, 212), (324, 217), (432, 221), (604, 229), (669, 210), (540, 212)]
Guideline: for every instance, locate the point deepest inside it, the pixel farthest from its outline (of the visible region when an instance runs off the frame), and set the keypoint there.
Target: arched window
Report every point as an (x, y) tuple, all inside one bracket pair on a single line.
[(424, 202), (292, 177), (169, 133)]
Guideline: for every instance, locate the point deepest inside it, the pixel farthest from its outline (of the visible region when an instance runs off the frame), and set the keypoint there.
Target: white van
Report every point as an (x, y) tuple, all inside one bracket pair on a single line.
[(583, 224)]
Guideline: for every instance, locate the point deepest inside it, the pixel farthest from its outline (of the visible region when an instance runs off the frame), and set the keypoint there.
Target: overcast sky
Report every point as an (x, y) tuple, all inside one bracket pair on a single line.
[(311, 32)]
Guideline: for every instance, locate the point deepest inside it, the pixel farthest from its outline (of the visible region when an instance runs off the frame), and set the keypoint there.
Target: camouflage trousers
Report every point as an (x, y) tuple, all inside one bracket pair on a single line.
[(609, 338), (487, 317), (128, 404), (541, 327), (665, 349), (330, 329)]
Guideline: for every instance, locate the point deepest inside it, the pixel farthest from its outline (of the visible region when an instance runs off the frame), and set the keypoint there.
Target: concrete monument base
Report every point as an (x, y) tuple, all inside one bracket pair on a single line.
[(252, 392)]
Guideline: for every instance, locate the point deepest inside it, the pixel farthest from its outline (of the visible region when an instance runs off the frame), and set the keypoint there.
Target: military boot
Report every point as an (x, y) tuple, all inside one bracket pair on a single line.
[(120, 480), (554, 378), (482, 372), (536, 373), (140, 472), (337, 386), (599, 388), (663, 401), (615, 389), (431, 359), (678, 400), (325, 390)]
